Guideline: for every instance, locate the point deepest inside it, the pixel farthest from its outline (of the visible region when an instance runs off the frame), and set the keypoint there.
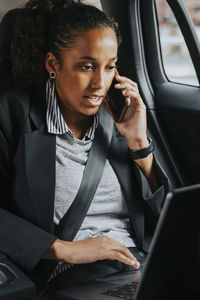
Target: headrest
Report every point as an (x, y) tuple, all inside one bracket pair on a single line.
[(6, 33)]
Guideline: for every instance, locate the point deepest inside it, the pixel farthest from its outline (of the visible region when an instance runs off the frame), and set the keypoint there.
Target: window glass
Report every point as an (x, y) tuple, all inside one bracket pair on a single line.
[(177, 63), (96, 3), (6, 5)]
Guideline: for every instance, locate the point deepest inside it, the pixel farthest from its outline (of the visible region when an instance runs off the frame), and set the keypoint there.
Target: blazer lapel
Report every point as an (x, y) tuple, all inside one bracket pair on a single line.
[(40, 147), (40, 171), (124, 170)]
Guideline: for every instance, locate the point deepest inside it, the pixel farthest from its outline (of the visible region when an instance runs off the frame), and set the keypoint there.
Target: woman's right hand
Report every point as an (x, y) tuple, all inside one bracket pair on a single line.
[(91, 250)]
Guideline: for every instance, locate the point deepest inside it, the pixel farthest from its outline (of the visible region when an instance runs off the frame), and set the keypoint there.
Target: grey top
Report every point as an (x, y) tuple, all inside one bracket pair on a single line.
[(108, 212)]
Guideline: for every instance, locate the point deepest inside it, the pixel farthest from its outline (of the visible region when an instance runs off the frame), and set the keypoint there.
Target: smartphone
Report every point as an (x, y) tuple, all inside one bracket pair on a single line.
[(118, 103)]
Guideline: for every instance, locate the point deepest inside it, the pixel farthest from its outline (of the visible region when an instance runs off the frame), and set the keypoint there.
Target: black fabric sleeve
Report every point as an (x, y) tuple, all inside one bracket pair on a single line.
[(154, 200), (22, 241)]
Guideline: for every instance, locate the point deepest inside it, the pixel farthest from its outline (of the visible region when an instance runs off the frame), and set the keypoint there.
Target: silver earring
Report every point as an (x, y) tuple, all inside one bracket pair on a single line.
[(52, 75)]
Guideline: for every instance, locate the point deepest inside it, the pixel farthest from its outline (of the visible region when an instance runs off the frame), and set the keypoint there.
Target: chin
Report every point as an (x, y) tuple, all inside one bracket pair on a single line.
[(91, 111)]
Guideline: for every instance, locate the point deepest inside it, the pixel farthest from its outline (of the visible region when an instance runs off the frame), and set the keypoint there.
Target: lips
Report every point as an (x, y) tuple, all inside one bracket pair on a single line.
[(94, 100)]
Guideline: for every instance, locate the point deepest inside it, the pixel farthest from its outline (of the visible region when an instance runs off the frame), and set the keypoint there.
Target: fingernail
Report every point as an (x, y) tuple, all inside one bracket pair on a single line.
[(128, 101), (138, 264)]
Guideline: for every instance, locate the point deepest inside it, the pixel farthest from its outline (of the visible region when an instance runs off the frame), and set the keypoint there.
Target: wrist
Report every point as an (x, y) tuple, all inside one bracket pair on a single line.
[(139, 143), (142, 152), (56, 250)]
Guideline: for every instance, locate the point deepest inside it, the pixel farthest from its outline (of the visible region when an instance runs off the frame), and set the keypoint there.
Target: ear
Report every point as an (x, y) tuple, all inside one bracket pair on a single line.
[(51, 63)]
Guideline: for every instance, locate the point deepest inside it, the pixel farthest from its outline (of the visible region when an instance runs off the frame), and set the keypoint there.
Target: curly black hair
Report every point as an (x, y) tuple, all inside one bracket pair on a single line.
[(49, 25)]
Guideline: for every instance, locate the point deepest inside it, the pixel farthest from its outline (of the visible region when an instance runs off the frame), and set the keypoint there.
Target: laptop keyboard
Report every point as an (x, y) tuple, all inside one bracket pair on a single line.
[(125, 291)]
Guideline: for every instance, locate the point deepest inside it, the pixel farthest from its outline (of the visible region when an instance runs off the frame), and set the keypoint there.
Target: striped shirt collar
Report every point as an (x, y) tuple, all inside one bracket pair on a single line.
[(55, 121)]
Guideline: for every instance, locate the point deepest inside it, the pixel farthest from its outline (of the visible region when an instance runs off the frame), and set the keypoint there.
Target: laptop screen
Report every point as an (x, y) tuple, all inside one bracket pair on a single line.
[(172, 269)]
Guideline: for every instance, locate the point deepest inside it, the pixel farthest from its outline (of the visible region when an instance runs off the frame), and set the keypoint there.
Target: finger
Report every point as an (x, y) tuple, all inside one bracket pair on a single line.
[(118, 251), (124, 85), (133, 95), (126, 252), (125, 89), (126, 260), (123, 79)]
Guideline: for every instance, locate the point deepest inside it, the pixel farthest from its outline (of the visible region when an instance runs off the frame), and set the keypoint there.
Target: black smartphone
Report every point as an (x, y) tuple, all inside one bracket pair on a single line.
[(117, 102)]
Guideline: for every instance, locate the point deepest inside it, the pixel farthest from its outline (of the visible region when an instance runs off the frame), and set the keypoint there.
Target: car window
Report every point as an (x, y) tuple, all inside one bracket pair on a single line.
[(96, 3), (177, 62), (6, 5)]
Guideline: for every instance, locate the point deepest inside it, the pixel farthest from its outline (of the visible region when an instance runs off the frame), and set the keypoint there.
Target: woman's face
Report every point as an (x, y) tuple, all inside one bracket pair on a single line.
[(86, 71)]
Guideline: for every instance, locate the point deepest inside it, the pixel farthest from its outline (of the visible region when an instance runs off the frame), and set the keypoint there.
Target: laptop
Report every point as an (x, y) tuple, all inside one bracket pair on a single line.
[(172, 267)]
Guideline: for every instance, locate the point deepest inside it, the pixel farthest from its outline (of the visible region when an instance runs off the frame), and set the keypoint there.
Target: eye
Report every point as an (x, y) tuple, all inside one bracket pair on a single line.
[(87, 67), (111, 68)]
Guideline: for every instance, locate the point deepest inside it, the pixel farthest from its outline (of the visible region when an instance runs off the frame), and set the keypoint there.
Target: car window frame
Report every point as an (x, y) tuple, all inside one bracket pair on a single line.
[(150, 24)]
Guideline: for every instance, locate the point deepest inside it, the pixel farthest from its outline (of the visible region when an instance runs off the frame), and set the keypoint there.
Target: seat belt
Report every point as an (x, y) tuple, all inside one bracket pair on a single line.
[(73, 218)]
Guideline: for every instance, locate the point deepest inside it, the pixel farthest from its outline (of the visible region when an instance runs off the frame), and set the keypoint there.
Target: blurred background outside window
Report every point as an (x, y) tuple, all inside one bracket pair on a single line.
[(176, 58)]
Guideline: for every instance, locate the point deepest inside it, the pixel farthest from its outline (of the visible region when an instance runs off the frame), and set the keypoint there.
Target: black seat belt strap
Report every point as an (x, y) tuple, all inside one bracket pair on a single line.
[(73, 218)]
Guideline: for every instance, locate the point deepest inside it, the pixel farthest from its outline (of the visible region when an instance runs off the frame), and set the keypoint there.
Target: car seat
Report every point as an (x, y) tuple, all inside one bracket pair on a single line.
[(6, 33), (14, 284)]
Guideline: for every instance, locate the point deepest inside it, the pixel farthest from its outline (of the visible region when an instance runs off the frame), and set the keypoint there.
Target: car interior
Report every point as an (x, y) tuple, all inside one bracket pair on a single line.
[(173, 107)]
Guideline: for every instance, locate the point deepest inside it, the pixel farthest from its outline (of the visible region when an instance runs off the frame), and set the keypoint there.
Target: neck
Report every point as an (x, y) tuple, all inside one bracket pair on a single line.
[(80, 127), (78, 124)]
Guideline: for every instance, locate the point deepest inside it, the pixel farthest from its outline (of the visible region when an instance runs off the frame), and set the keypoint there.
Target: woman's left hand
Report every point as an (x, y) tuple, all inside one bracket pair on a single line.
[(133, 125)]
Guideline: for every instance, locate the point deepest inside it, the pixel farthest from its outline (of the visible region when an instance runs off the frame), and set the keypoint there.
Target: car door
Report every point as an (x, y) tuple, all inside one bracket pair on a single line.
[(178, 104), (173, 108)]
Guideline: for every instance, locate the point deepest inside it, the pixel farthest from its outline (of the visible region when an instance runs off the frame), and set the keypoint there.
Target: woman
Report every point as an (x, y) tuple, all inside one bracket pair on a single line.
[(66, 53)]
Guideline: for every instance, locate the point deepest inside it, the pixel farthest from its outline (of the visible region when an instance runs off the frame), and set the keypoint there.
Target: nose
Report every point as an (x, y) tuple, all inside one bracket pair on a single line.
[(98, 80)]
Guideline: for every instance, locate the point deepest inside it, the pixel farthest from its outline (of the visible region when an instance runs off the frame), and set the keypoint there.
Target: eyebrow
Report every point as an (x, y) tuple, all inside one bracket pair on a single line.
[(90, 58)]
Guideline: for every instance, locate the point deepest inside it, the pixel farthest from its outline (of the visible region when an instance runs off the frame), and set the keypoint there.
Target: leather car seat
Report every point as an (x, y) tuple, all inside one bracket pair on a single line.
[(6, 33)]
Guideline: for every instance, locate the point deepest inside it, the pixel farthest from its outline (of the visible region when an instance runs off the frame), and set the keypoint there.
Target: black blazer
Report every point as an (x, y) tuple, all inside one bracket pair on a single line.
[(27, 181)]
